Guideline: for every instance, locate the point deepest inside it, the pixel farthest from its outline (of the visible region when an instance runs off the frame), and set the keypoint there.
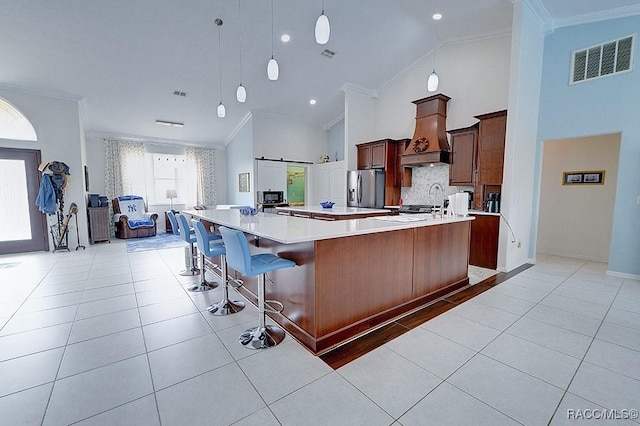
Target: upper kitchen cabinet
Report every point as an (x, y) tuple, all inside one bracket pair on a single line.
[(491, 140), (462, 166), (372, 155), (384, 154), (330, 183), (271, 176)]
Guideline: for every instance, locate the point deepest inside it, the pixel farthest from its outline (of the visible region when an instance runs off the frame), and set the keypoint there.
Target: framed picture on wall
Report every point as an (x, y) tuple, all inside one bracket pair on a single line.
[(592, 177), (243, 182)]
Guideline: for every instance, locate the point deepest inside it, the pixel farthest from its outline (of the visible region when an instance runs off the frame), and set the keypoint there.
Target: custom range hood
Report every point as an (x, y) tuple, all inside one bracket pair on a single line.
[(429, 143)]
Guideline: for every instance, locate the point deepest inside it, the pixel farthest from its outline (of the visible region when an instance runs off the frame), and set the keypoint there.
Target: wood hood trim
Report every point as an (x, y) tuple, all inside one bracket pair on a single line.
[(429, 143)]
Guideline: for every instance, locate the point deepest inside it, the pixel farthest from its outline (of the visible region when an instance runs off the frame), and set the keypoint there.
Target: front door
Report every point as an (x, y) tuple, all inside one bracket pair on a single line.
[(23, 228)]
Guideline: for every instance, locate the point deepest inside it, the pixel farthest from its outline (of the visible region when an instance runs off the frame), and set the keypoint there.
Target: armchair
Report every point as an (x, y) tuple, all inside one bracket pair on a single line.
[(131, 218)]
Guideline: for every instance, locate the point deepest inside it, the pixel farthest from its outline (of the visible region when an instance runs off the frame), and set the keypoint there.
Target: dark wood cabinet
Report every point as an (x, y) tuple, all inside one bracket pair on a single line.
[(491, 141), (462, 166), (385, 154), (484, 241), (98, 224), (372, 155)]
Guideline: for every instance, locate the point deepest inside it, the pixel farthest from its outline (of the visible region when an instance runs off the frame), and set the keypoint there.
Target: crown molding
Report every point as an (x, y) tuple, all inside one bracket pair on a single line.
[(620, 12), (541, 13), (350, 87), (39, 92), (334, 121), (238, 128), (437, 49), (150, 140)]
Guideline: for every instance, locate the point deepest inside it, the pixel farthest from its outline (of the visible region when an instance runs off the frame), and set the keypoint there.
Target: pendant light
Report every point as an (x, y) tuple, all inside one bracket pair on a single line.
[(273, 71), (241, 93), (433, 80), (221, 109), (323, 29)]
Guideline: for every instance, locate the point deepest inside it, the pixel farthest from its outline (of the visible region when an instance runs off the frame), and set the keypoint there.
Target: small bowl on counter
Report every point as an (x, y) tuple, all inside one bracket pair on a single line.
[(327, 204), (248, 211)]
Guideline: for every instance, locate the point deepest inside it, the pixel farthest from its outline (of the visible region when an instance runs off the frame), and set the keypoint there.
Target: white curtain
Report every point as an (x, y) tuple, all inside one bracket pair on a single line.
[(201, 166), (124, 169)]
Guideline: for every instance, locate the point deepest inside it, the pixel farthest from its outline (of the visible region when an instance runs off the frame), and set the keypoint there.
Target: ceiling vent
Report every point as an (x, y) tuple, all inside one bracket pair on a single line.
[(328, 53), (179, 93), (603, 60)]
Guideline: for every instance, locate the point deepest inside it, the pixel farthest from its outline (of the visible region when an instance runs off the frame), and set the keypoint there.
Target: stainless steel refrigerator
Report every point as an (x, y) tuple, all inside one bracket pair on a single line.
[(365, 188)]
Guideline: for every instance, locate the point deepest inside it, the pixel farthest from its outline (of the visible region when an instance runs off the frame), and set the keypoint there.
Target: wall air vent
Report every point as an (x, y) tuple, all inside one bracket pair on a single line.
[(603, 60), (179, 93), (328, 53)]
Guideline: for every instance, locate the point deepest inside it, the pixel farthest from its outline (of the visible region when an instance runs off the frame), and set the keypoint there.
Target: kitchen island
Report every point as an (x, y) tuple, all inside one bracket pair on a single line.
[(333, 213), (352, 276)]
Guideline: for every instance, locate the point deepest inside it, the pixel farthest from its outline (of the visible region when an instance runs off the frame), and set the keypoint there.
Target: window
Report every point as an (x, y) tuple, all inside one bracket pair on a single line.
[(14, 125), (169, 172), (603, 60)]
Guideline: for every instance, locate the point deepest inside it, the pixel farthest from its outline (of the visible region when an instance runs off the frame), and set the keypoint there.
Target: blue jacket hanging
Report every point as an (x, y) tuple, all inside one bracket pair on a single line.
[(46, 200)]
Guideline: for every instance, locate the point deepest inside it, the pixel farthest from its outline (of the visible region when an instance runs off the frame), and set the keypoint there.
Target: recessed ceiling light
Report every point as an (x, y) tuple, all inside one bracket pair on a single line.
[(312, 101), (285, 38), (169, 123), (437, 16)]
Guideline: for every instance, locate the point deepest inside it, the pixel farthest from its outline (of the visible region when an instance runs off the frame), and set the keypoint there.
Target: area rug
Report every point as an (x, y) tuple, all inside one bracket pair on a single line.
[(162, 240)]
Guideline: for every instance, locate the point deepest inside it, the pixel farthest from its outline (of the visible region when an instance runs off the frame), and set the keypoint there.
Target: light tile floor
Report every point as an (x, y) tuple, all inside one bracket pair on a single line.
[(104, 337)]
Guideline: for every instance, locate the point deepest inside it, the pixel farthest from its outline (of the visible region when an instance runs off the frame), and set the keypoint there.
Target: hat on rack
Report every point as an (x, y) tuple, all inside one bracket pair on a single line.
[(43, 166), (58, 167)]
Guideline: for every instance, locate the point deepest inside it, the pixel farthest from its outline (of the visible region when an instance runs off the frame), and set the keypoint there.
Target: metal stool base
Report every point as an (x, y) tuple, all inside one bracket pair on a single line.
[(226, 307), (189, 272), (262, 337), (205, 286)]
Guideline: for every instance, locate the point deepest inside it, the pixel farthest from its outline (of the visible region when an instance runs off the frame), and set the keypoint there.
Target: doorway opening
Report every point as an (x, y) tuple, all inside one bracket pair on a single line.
[(296, 183), (576, 214)]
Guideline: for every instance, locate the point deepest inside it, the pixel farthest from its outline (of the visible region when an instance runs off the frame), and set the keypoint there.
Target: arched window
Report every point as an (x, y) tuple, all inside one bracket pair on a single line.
[(14, 125)]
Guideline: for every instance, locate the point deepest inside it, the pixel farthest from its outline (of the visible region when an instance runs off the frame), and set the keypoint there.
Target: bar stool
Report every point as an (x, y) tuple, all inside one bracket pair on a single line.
[(189, 235), (225, 306), (239, 258), (175, 229)]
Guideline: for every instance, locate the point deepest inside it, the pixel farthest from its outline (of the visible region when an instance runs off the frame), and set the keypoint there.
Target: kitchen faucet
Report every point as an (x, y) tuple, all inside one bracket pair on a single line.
[(436, 191)]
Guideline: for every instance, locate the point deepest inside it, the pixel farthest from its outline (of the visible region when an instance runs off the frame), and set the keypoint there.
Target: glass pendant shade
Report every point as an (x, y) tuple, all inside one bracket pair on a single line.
[(273, 71), (241, 93), (432, 81), (222, 111), (323, 29)]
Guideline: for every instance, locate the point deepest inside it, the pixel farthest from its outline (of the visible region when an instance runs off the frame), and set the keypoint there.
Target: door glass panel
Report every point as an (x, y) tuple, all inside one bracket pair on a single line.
[(14, 202)]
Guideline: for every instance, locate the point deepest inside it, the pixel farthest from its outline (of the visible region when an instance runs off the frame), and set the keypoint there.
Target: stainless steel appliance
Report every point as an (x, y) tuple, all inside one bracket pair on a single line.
[(365, 188), (493, 202), (270, 197), (269, 200), (415, 208)]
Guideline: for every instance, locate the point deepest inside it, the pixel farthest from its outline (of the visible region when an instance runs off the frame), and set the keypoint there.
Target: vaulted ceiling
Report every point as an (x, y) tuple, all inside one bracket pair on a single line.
[(125, 58)]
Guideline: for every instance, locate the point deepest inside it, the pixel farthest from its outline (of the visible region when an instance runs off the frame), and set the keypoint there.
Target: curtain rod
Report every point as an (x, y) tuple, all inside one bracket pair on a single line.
[(284, 161)]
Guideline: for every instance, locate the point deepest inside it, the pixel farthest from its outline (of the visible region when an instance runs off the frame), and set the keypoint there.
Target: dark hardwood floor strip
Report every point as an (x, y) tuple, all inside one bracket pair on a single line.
[(354, 349)]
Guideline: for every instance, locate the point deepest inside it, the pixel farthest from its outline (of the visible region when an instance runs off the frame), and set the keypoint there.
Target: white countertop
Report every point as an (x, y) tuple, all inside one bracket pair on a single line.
[(481, 212), (291, 229), (335, 210)]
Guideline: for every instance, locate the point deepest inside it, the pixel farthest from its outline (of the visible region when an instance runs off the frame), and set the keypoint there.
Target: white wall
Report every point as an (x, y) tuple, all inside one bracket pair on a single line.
[(576, 220), (336, 141), (359, 123), (239, 159), (57, 125), (474, 75), (516, 202), (276, 137)]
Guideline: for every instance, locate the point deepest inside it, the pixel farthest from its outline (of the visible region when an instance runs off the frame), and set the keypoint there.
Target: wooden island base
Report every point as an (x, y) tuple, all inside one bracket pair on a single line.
[(344, 287)]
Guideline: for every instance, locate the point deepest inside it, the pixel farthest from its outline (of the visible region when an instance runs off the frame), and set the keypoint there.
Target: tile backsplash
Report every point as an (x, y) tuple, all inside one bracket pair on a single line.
[(422, 179)]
